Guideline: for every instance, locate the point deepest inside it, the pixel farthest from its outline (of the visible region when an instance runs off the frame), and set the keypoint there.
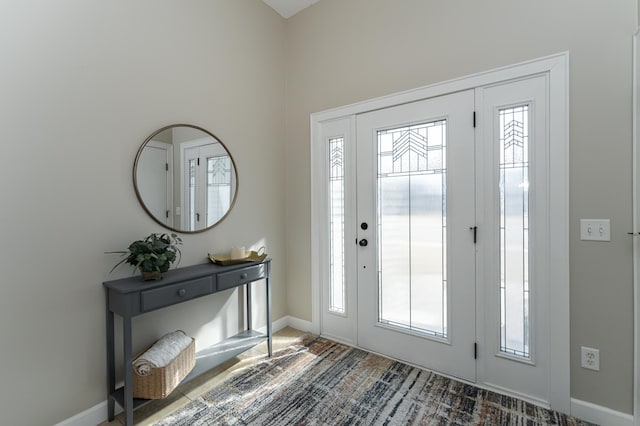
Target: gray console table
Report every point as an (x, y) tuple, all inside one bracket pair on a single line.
[(130, 297)]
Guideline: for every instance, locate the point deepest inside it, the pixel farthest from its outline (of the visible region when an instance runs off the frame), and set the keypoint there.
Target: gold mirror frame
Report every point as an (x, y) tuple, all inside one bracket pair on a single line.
[(174, 177)]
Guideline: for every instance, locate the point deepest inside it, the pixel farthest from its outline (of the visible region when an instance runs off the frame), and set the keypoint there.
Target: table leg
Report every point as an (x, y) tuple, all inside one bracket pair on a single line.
[(128, 372), (248, 306), (269, 328), (111, 368)]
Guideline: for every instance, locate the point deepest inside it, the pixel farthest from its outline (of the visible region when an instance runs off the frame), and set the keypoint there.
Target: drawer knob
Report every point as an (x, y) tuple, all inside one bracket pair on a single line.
[(182, 292), (243, 276)]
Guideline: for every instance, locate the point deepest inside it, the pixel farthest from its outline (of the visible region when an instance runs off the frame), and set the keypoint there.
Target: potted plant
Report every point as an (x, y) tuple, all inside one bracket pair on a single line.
[(153, 255)]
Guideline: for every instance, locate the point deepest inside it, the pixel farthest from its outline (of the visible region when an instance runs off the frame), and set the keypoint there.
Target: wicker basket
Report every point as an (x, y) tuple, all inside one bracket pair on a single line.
[(160, 382)]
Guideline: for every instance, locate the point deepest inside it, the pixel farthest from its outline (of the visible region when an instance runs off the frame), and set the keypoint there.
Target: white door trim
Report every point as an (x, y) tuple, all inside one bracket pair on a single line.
[(557, 68), (636, 224)]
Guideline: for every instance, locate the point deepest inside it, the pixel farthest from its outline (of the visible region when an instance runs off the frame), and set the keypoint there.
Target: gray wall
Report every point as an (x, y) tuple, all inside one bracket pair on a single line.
[(343, 51), (83, 83)]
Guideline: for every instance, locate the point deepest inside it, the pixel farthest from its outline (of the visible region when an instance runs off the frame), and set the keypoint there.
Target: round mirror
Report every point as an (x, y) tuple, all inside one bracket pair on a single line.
[(185, 178)]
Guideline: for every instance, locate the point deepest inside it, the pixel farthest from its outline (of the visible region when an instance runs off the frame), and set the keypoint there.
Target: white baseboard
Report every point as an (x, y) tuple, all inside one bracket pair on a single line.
[(299, 324), (287, 321), (599, 415), (91, 416), (276, 326), (98, 413)]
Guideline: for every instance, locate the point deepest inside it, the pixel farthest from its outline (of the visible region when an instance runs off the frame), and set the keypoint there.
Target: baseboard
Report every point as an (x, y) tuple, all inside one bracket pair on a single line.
[(91, 416), (299, 324), (276, 325), (287, 321), (599, 415), (98, 413)]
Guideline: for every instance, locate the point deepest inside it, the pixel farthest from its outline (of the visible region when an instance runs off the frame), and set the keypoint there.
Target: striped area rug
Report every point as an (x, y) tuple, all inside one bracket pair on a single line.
[(320, 382)]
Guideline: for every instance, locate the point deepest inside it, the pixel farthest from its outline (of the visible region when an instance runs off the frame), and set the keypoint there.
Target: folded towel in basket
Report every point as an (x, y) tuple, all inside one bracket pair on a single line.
[(162, 352)]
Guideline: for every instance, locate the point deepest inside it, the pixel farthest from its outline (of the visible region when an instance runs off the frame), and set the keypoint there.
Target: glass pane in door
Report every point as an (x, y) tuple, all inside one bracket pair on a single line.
[(218, 187), (412, 228), (336, 208), (514, 231), (191, 194)]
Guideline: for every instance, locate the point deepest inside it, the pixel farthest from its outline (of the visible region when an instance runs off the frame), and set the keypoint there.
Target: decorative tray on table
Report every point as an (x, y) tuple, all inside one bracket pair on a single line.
[(252, 256)]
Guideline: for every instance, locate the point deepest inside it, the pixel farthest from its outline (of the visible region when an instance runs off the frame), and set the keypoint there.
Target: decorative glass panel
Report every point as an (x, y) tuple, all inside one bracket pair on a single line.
[(411, 208), (514, 231), (336, 208), (192, 194), (218, 187)]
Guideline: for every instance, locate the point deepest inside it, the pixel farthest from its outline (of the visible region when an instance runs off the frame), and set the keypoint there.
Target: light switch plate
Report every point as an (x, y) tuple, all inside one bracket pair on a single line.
[(595, 229)]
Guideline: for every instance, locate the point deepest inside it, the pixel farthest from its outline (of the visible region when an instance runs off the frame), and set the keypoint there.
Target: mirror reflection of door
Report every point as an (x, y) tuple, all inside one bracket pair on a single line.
[(155, 168), (207, 187), (218, 185), (203, 188)]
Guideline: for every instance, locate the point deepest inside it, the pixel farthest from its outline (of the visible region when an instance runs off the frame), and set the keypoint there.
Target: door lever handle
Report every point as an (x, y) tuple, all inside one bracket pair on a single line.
[(475, 233)]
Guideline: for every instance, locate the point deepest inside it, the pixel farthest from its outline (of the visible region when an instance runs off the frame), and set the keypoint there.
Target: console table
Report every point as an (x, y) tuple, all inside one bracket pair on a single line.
[(130, 297)]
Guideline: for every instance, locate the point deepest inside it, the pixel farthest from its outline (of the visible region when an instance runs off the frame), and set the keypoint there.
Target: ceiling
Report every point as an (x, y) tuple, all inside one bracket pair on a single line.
[(288, 8)]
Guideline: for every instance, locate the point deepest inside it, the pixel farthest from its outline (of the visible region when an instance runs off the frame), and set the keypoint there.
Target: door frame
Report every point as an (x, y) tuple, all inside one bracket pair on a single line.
[(636, 224), (557, 68)]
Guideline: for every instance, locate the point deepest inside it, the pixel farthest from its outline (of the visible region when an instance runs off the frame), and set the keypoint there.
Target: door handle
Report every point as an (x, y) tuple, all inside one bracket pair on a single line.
[(363, 242)]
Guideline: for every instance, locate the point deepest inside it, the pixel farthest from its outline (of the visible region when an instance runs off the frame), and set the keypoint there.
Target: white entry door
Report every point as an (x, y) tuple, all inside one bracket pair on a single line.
[(442, 228), (416, 230)]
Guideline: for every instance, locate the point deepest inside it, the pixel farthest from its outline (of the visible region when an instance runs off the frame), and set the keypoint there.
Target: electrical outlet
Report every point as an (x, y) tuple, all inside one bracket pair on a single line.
[(590, 358)]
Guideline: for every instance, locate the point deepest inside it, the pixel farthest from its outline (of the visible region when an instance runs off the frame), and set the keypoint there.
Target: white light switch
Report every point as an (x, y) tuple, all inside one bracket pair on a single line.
[(595, 229)]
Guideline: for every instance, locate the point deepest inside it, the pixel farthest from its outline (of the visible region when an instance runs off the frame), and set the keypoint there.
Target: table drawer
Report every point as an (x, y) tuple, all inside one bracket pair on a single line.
[(241, 276), (176, 293)]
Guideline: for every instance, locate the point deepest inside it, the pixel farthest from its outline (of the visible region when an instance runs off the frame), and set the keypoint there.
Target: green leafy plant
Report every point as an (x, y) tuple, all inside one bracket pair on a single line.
[(155, 253)]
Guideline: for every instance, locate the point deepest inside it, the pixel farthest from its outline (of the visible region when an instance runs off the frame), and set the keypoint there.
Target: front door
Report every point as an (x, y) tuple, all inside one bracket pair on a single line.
[(442, 233), (416, 230)]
